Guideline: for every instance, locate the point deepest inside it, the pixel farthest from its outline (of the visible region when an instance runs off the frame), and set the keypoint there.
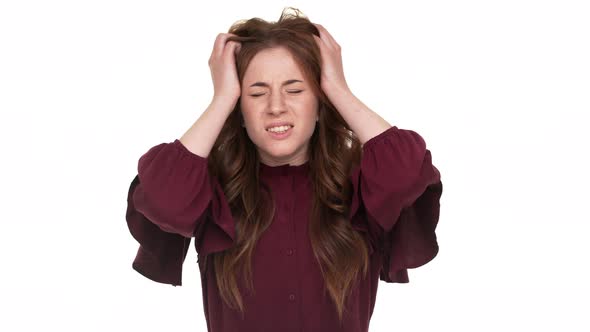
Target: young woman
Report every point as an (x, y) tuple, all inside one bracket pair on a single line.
[(299, 198)]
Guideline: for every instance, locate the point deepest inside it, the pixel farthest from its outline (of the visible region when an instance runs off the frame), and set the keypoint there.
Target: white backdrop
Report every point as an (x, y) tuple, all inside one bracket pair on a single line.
[(500, 91)]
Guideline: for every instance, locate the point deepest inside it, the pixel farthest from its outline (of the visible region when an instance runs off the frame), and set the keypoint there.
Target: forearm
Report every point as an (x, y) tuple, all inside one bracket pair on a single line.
[(365, 123), (201, 136)]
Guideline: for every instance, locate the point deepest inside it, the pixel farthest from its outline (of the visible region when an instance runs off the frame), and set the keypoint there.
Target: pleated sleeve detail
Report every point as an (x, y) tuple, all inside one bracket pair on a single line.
[(172, 199), (397, 189)]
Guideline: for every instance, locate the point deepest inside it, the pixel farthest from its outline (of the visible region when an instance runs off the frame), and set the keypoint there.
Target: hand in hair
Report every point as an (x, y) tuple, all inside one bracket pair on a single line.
[(365, 123), (332, 77), (222, 63)]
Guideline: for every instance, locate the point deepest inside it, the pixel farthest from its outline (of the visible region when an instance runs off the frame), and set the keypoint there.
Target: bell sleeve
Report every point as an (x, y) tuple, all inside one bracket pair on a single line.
[(397, 190), (172, 199)]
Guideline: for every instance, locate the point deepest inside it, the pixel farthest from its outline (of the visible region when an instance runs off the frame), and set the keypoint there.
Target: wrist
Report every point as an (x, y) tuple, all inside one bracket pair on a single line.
[(224, 101), (340, 96), (338, 91)]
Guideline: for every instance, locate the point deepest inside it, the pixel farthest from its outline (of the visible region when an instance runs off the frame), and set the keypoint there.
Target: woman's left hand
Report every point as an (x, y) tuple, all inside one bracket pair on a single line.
[(332, 77)]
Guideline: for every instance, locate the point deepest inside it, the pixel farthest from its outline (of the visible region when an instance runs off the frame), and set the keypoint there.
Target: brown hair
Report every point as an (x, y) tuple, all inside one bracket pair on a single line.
[(340, 251)]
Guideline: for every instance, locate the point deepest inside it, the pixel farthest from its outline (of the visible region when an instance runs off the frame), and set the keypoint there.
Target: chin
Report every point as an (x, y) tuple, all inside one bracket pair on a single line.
[(276, 153), (280, 151)]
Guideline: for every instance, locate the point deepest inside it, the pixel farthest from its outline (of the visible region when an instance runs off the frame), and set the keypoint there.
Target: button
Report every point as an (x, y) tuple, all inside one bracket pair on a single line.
[(291, 297), (290, 252)]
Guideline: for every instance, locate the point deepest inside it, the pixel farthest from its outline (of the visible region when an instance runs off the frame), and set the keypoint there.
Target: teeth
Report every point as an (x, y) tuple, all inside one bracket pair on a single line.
[(279, 129)]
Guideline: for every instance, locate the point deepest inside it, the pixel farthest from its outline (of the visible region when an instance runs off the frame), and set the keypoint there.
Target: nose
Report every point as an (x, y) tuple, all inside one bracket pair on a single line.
[(276, 104)]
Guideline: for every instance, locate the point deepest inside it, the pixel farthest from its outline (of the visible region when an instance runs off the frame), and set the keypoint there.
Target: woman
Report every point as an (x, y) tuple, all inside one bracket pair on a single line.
[(299, 197)]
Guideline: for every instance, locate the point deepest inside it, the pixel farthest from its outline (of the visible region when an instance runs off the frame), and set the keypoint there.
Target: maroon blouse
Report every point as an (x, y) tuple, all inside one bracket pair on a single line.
[(395, 205)]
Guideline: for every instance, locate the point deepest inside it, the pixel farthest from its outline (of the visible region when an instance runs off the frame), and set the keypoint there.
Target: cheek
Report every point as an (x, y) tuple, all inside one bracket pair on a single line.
[(312, 104), (313, 111), (246, 111)]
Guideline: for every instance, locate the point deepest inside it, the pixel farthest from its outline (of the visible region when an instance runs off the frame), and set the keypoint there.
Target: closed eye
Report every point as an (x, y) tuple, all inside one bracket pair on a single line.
[(290, 91)]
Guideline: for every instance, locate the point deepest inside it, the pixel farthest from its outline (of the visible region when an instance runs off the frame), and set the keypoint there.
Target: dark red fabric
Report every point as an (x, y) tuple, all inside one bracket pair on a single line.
[(396, 204)]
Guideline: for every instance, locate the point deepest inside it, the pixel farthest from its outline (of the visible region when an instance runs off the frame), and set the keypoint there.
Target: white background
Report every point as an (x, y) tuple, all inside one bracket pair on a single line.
[(500, 91)]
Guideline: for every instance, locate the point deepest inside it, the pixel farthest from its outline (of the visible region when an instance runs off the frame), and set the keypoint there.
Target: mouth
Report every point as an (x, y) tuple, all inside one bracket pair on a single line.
[(279, 129), (280, 132)]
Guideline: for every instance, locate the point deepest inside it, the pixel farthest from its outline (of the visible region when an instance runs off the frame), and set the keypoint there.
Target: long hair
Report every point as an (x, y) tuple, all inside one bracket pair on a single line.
[(340, 251)]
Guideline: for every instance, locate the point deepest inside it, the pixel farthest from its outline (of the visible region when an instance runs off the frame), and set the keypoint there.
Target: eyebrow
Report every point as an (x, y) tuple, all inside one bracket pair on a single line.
[(287, 82)]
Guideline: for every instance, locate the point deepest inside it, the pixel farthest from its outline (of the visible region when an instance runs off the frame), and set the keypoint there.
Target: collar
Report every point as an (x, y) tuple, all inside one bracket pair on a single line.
[(284, 169)]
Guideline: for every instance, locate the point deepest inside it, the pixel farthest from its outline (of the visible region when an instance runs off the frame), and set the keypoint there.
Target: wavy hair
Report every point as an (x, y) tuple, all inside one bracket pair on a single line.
[(341, 251)]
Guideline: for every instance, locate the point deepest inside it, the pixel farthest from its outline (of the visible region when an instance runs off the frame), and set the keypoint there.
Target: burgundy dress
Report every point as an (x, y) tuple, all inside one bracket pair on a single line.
[(395, 205)]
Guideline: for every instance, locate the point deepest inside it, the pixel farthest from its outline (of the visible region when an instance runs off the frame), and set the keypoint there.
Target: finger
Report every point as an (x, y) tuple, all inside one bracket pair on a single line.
[(330, 41), (319, 42), (327, 37), (232, 47), (217, 45), (230, 50), (238, 48), (220, 44)]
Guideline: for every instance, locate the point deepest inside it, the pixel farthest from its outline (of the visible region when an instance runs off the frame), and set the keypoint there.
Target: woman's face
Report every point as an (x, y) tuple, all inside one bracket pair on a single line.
[(274, 90)]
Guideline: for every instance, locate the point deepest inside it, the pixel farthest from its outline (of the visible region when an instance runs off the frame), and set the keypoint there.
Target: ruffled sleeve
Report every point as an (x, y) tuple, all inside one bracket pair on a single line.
[(397, 191), (172, 199)]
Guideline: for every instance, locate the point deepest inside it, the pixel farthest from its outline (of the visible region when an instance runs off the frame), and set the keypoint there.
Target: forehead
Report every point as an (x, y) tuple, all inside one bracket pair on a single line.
[(273, 65)]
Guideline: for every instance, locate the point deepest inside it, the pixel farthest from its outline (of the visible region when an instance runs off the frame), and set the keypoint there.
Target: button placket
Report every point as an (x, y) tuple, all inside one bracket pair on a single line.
[(288, 205)]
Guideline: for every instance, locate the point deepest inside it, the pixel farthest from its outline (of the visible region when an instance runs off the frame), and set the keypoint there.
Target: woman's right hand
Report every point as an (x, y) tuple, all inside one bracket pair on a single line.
[(222, 63)]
